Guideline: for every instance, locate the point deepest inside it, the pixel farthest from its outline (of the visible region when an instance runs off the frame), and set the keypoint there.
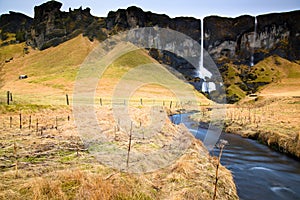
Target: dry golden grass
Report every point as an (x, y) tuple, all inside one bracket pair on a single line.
[(271, 120), (53, 164), (52, 74)]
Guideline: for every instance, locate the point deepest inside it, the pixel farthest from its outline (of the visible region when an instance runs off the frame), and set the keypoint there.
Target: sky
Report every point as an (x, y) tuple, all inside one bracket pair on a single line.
[(173, 8)]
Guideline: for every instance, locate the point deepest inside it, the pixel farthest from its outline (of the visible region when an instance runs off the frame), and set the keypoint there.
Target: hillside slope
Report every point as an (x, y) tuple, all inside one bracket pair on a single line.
[(286, 78), (52, 73)]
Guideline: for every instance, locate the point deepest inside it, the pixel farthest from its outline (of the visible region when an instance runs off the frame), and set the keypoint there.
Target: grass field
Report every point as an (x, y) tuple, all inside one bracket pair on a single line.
[(52, 74), (46, 159), (43, 156)]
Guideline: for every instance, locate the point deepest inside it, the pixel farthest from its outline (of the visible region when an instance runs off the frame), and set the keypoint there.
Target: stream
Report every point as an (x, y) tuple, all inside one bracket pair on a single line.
[(259, 172)]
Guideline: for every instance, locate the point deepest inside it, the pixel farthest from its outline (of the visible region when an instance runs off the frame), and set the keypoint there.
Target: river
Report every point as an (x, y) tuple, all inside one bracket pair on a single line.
[(259, 172)]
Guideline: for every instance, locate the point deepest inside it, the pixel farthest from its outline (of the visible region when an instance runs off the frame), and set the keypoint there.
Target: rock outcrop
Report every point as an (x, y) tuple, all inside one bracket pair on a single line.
[(235, 39), (225, 39), (134, 17), (228, 37), (51, 26), (14, 22)]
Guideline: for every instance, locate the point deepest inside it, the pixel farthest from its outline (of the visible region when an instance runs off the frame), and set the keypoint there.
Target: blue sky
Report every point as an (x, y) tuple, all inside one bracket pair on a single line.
[(174, 8)]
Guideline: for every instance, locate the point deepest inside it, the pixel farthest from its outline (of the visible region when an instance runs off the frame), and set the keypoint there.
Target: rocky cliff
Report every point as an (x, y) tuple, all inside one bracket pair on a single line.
[(51, 26), (225, 39), (16, 23), (236, 39), (134, 17), (244, 40)]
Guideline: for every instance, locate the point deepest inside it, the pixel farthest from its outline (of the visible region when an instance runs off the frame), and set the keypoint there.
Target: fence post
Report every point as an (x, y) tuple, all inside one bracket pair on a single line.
[(20, 121), (129, 145), (37, 125), (56, 123), (29, 122), (8, 95), (100, 101), (67, 98)]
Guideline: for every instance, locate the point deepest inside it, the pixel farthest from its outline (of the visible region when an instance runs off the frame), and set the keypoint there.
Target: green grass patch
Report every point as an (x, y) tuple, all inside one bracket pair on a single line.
[(70, 188), (32, 159), (234, 89), (126, 62), (265, 72), (64, 152), (11, 51), (27, 108), (134, 196), (67, 158)]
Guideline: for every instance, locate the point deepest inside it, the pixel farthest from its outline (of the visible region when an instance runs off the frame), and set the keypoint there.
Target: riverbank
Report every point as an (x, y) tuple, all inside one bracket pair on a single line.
[(45, 158), (273, 121)]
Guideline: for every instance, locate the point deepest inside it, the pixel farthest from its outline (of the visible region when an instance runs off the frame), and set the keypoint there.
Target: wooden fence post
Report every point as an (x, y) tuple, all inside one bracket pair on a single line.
[(37, 125), (29, 122), (56, 123), (67, 98), (8, 97), (129, 145), (20, 121), (10, 121)]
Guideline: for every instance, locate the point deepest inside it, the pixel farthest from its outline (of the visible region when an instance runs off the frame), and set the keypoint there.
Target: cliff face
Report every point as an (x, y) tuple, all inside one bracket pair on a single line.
[(134, 17), (241, 41), (13, 22), (235, 39), (51, 26), (225, 39), (228, 37), (279, 34)]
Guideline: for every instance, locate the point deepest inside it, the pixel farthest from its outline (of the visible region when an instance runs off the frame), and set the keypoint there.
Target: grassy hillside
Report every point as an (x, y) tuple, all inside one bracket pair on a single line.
[(52, 73), (284, 76), (43, 156), (272, 75), (11, 51)]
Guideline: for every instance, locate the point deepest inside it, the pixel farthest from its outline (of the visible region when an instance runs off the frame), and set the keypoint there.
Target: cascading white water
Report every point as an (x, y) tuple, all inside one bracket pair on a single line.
[(253, 42), (200, 67), (201, 71), (202, 42)]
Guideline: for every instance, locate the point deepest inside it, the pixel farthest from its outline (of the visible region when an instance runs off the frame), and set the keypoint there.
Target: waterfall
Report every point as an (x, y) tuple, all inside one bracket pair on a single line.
[(202, 72), (202, 42), (253, 42), (199, 70)]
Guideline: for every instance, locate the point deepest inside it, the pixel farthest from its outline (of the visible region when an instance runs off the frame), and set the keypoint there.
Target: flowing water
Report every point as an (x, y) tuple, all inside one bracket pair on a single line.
[(259, 172), (253, 42)]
